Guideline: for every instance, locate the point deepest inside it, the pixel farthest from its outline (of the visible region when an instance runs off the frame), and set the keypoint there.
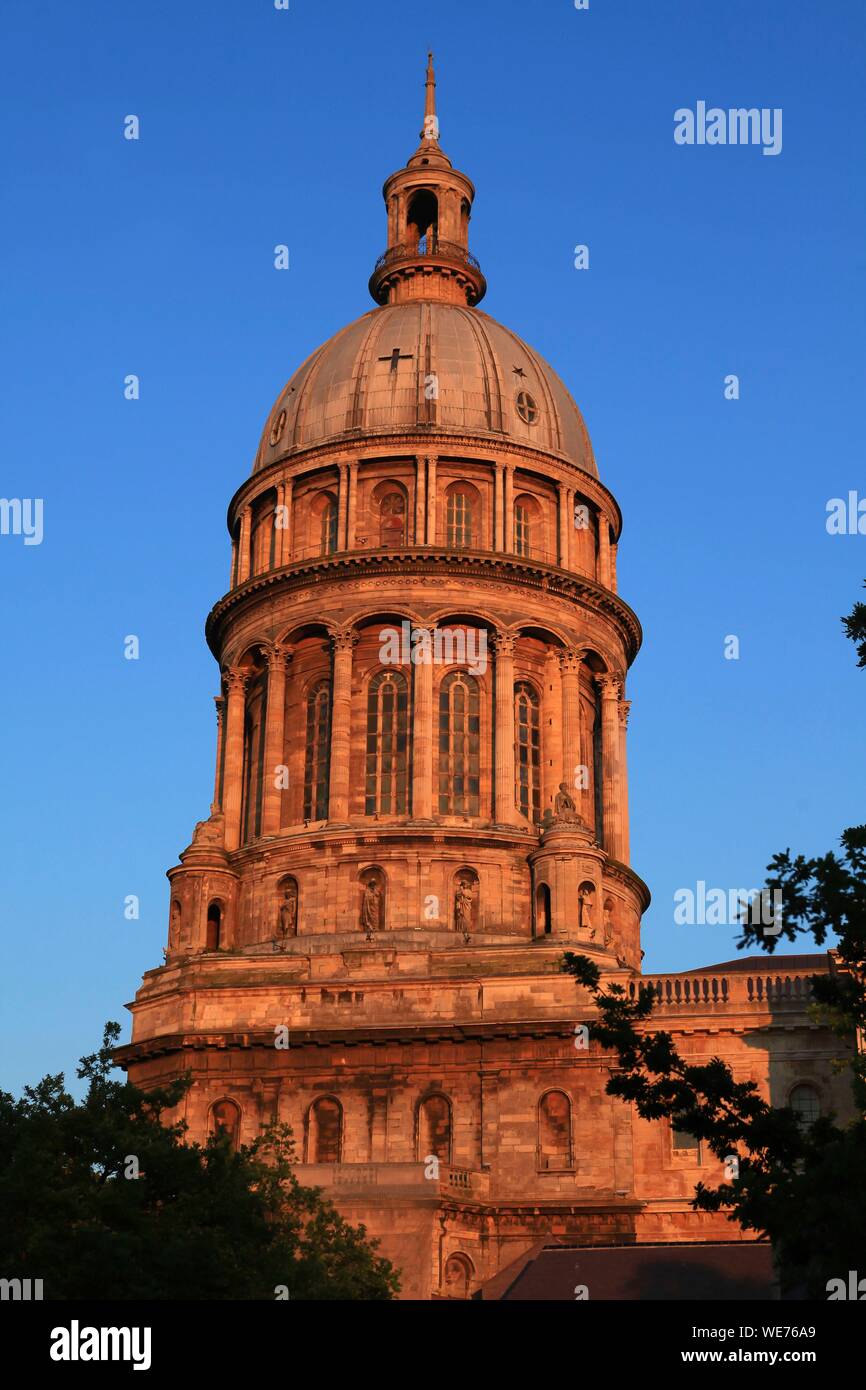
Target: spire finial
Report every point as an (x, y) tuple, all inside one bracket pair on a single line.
[(431, 122)]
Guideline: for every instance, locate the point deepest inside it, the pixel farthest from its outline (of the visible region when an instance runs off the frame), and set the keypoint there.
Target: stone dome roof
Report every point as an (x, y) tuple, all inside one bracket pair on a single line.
[(489, 383)]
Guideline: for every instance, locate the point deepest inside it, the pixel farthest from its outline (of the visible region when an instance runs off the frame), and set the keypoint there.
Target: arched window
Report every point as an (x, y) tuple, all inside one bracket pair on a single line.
[(214, 927), (521, 529), (254, 752), (225, 1120), (325, 1131), (542, 910), (806, 1104), (459, 520), (392, 520), (457, 1276), (527, 751), (459, 745), (434, 1128), (329, 527), (554, 1131), (316, 752), (387, 743), (422, 220)]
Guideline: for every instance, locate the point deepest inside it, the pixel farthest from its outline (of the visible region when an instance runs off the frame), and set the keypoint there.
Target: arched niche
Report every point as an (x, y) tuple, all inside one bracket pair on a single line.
[(466, 895), (287, 908), (224, 1120), (372, 885), (324, 1131), (433, 1127), (457, 1276)]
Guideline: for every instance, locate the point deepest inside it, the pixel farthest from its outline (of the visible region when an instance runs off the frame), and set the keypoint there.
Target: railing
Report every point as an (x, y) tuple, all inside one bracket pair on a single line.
[(357, 1177), (696, 991), (436, 249)]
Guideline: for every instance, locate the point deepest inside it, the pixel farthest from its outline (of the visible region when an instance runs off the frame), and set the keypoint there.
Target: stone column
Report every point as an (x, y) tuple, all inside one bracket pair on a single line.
[(504, 812), (342, 643), (551, 731), (613, 565), (622, 795), (603, 575), (244, 557), (563, 524), (284, 551), (379, 1125), (570, 661), (569, 560), (352, 504), (610, 687), (420, 499), (278, 658), (342, 506), (236, 683), (422, 741), (278, 533), (233, 577), (219, 701), (498, 508), (431, 501), (509, 508)]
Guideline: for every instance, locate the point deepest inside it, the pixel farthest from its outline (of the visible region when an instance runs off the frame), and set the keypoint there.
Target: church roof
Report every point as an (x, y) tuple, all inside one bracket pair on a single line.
[(431, 366)]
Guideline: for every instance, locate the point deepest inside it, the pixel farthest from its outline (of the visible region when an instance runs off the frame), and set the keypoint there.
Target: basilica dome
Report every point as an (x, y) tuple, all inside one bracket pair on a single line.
[(431, 366)]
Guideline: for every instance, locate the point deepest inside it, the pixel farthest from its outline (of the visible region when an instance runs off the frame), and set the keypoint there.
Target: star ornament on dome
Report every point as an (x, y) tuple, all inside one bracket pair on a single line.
[(518, 371)]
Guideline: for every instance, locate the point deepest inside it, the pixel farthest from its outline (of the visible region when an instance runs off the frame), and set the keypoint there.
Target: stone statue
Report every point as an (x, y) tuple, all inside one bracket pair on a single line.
[(563, 805), (287, 924), (586, 894), (371, 906), (174, 926), (463, 906), (608, 924)]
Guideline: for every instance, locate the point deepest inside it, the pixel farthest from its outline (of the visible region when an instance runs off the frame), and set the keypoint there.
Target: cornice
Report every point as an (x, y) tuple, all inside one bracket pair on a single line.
[(522, 572)]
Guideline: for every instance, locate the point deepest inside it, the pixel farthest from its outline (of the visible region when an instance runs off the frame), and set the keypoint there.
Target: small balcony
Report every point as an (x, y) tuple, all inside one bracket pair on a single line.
[(396, 1180)]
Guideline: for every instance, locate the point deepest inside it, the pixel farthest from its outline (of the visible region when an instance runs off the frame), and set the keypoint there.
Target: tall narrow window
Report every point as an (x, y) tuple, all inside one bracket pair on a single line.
[(325, 1133), (329, 526), (459, 745), (806, 1105), (387, 743), (527, 752), (521, 529), (392, 519), (316, 756), (554, 1131), (459, 520)]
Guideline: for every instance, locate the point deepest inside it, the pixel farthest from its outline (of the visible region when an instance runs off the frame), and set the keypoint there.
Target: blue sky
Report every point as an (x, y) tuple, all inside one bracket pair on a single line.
[(155, 257)]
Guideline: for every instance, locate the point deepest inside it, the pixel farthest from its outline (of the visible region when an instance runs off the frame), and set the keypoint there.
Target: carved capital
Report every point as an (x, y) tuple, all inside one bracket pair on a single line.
[(236, 681), (343, 640), (220, 702), (624, 709), (571, 660), (277, 655), (609, 684), (503, 644)]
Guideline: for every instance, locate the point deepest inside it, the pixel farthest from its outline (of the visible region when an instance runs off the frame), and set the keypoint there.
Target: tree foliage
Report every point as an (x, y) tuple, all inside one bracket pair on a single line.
[(199, 1222)]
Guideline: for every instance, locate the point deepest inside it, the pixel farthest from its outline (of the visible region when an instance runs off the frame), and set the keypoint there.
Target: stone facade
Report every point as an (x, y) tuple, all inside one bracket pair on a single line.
[(421, 800)]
